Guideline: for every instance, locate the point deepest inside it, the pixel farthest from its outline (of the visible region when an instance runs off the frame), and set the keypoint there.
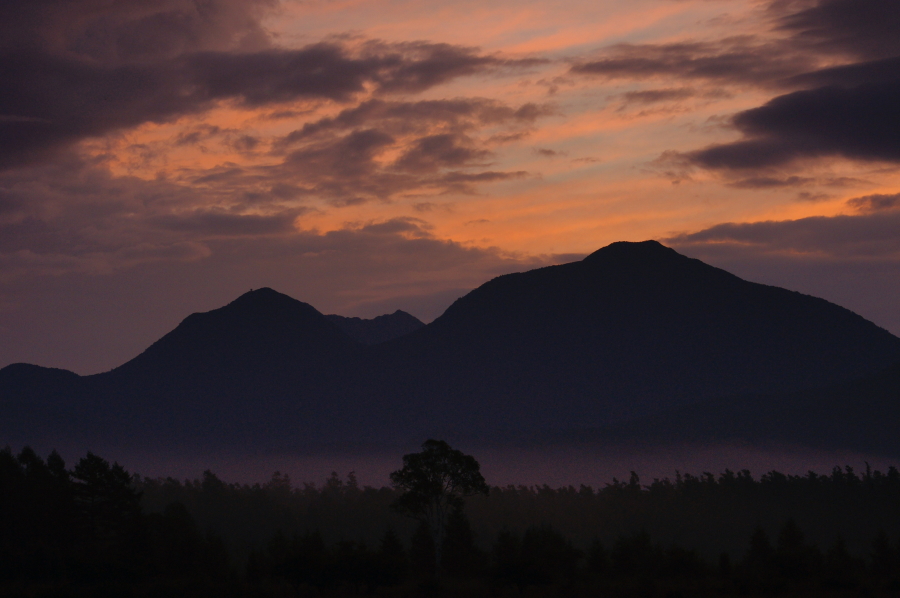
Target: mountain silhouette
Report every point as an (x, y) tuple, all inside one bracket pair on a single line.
[(379, 329), (237, 372), (631, 333), (260, 334), (632, 330)]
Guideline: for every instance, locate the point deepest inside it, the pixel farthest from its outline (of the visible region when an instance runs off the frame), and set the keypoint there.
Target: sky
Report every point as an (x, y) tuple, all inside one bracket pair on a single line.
[(159, 158)]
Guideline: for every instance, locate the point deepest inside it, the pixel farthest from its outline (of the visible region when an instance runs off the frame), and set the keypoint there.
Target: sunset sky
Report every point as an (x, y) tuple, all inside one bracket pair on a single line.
[(162, 157)]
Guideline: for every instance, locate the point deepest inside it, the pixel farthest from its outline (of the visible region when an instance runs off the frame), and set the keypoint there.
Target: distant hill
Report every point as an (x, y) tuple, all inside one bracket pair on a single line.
[(379, 329), (633, 332)]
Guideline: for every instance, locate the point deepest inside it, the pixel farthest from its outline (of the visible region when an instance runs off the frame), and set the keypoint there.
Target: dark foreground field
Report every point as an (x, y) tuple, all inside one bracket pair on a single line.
[(96, 530)]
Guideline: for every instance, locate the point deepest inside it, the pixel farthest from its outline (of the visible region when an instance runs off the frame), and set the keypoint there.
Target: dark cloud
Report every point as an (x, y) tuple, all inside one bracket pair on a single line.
[(128, 31), (330, 70), (368, 153), (464, 182), (77, 70), (414, 227), (483, 177), (875, 203), (860, 123), (811, 197), (417, 66), (197, 134), (850, 75), (765, 182), (863, 28), (855, 29), (405, 117), (343, 170), (652, 96), (734, 60), (245, 143), (844, 110), (436, 142), (433, 152), (74, 217), (219, 174), (874, 235), (346, 202), (215, 223)]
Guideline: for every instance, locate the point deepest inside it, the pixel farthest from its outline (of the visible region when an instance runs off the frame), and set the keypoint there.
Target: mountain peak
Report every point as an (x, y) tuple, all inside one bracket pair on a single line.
[(261, 329), (263, 296), (264, 304), (628, 250)]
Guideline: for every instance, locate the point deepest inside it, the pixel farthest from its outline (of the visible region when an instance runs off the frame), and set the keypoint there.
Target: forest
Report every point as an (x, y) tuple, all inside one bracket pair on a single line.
[(97, 530)]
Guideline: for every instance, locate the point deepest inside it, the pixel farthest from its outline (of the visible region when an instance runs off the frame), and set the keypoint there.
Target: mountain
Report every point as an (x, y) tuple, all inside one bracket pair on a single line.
[(633, 332), (244, 371), (258, 339), (634, 329), (379, 329)]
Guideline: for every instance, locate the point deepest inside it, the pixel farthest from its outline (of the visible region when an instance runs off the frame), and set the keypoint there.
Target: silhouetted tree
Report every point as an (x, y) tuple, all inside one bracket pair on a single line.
[(883, 555), (36, 515), (435, 481), (636, 554), (597, 557), (421, 551), (109, 511), (760, 555), (393, 563), (547, 555), (841, 569), (176, 541), (507, 553), (460, 557), (795, 559)]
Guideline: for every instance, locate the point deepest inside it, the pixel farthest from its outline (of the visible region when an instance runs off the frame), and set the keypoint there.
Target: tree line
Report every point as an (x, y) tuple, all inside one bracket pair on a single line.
[(95, 529)]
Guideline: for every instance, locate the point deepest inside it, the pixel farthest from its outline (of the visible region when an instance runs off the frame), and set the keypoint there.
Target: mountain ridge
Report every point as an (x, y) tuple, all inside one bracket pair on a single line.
[(379, 329), (633, 331)]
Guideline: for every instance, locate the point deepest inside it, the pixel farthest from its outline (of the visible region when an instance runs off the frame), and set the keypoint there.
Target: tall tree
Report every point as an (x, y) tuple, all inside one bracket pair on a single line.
[(109, 510), (435, 481)]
